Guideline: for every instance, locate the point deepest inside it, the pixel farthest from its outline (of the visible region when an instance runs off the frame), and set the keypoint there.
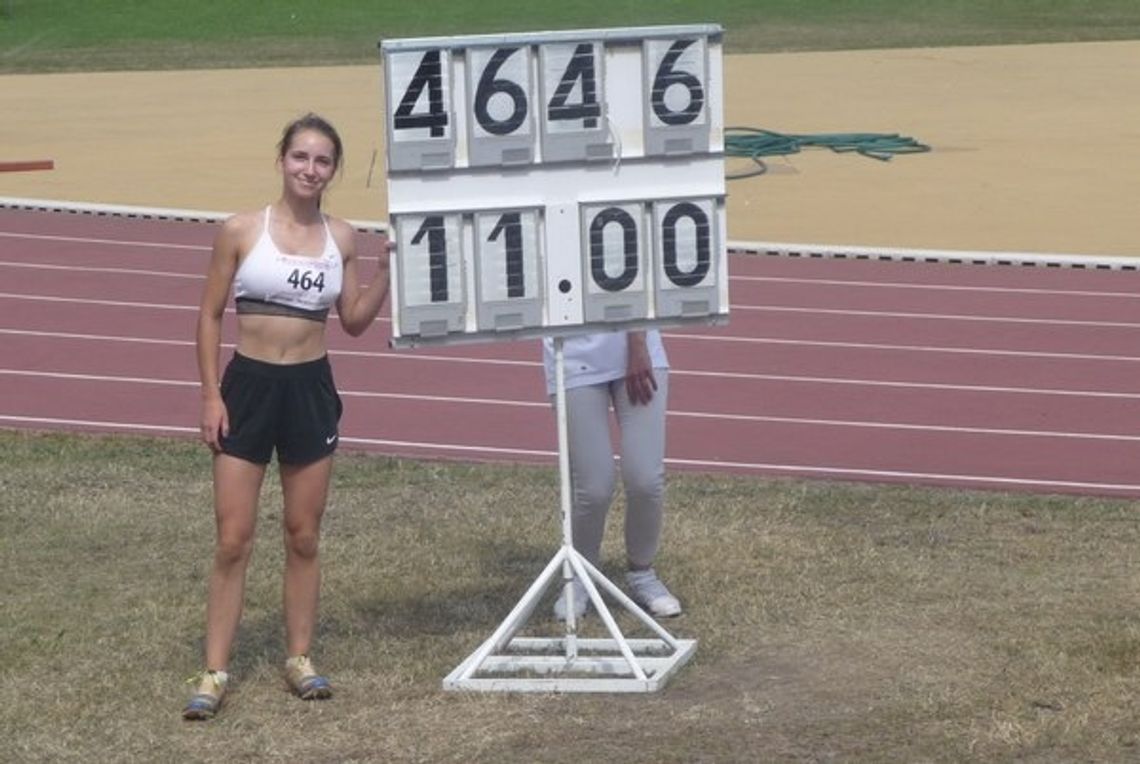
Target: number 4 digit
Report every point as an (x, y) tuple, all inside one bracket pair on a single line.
[(580, 69), (429, 77)]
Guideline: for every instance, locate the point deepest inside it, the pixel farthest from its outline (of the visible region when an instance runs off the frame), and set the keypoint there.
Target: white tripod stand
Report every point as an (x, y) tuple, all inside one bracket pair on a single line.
[(506, 662)]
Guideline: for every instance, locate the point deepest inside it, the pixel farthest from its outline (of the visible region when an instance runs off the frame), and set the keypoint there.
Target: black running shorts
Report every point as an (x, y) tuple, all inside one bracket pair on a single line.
[(293, 408)]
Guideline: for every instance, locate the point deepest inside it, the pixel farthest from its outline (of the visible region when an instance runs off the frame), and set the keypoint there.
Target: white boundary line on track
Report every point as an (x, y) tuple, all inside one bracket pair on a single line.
[(145, 213), (903, 348), (91, 301), (779, 470), (965, 257), (782, 249), (932, 316), (694, 372), (115, 242), (679, 414), (750, 308), (934, 287), (742, 376), (102, 269), (736, 278), (785, 470), (732, 277)]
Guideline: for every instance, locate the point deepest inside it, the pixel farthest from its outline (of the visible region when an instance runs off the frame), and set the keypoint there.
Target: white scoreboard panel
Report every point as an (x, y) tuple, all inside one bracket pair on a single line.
[(555, 183)]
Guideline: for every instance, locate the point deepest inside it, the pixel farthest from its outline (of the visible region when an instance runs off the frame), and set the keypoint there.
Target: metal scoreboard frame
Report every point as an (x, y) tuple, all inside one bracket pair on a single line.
[(555, 183)]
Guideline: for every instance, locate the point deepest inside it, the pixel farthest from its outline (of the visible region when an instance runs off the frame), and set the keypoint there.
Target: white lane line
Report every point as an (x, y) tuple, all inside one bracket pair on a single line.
[(125, 304), (675, 372), (809, 282), (903, 426), (815, 471), (98, 378), (446, 399), (678, 414), (822, 471), (934, 316), (417, 356), (903, 385), (344, 393), (774, 279), (687, 337), (103, 303), (824, 311), (96, 269), (95, 423), (818, 252), (115, 379), (450, 447), (904, 348), (112, 242), (936, 287), (821, 311), (96, 337), (395, 355), (771, 279), (123, 427)]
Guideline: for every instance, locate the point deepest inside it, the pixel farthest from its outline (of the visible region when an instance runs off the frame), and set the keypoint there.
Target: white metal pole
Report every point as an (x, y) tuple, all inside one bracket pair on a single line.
[(564, 485)]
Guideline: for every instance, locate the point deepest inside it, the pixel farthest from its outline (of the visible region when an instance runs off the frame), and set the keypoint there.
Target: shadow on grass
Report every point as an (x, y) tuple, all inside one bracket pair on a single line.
[(468, 594)]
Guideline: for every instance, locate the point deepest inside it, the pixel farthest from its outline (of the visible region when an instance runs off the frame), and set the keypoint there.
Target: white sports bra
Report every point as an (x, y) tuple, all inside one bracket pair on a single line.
[(273, 282)]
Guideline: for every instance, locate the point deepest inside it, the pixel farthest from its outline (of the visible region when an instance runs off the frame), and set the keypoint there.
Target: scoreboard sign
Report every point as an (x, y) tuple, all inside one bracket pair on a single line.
[(555, 183)]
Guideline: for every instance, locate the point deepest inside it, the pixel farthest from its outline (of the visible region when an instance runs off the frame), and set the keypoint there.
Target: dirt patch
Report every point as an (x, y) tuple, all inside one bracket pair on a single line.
[(1034, 146)]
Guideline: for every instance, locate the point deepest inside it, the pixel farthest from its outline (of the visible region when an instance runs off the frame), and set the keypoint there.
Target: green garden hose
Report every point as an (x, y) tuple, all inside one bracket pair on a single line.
[(752, 143)]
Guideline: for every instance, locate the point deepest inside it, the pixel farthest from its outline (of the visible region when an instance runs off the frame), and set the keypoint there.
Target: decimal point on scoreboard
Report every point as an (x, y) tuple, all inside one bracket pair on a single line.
[(27, 166)]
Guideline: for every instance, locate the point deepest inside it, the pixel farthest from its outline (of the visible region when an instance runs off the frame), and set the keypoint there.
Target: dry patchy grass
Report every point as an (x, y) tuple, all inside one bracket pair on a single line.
[(835, 622)]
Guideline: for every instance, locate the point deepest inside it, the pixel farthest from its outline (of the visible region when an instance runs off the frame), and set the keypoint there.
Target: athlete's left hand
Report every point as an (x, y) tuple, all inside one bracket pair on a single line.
[(640, 384)]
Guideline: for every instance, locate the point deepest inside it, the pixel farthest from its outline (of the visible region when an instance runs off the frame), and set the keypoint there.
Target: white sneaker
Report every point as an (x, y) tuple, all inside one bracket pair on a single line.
[(581, 602), (647, 590)]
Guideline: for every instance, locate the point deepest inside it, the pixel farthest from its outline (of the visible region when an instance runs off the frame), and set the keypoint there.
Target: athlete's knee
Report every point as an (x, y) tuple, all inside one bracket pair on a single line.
[(644, 486), (593, 496), (233, 549), (302, 542)]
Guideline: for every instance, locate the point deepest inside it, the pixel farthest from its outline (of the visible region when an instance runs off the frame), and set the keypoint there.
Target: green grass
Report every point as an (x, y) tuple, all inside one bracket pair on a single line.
[(834, 622), (85, 35)]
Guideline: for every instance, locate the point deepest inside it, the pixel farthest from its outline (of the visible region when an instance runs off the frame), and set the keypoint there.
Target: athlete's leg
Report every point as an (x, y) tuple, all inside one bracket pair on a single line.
[(237, 484), (592, 473), (306, 490), (643, 468)]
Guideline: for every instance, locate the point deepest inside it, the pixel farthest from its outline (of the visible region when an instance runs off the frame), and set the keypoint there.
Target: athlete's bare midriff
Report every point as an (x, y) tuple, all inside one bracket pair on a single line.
[(280, 339)]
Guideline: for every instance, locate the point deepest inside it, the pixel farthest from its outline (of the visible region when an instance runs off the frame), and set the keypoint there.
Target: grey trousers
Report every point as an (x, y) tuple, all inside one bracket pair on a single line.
[(593, 474)]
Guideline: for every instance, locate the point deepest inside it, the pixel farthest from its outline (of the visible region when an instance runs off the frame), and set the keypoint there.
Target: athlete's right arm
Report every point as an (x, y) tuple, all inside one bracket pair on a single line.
[(219, 278)]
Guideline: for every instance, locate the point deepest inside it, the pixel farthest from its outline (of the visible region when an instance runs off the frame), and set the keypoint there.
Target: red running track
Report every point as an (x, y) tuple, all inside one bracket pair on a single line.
[(1001, 377)]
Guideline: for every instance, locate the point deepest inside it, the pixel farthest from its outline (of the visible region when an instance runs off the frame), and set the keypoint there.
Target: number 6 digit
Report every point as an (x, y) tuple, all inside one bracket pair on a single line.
[(489, 86), (666, 77)]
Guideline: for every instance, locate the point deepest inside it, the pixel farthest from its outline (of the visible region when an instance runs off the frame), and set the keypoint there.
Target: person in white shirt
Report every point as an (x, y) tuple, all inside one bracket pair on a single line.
[(628, 372)]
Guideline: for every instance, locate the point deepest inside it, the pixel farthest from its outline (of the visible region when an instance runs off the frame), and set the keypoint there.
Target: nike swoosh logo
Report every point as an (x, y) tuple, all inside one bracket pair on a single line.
[(330, 441)]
